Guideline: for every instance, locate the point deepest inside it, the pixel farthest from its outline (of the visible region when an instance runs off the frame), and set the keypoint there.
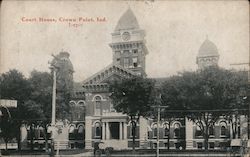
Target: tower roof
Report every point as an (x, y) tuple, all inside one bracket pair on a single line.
[(127, 21), (208, 49)]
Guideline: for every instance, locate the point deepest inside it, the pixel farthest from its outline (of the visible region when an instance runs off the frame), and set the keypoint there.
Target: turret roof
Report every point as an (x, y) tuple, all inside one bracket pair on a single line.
[(127, 21), (208, 49)]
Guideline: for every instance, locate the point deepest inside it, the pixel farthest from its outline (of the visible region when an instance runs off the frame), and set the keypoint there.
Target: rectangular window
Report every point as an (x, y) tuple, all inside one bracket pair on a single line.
[(165, 145), (98, 108), (135, 51), (126, 62), (112, 109), (118, 61), (199, 145), (211, 145)]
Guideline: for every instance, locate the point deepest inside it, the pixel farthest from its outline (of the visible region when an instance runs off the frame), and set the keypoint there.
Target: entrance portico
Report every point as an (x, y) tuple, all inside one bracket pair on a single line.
[(114, 130)]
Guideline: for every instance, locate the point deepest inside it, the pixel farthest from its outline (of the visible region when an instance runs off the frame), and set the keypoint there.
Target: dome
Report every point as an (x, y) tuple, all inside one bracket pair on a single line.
[(127, 21), (208, 49)]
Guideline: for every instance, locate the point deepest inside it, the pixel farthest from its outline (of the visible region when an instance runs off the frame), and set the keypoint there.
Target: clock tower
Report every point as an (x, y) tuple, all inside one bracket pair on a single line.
[(128, 44)]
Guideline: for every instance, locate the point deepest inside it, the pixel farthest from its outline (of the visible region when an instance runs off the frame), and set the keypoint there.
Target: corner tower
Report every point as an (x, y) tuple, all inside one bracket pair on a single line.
[(128, 44), (208, 55)]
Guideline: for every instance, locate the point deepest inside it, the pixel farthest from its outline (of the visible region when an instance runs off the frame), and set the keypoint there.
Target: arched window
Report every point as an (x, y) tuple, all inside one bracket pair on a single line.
[(80, 129), (98, 105), (198, 131), (72, 132), (223, 128), (154, 129), (166, 130), (97, 129), (71, 129), (41, 132), (177, 130)]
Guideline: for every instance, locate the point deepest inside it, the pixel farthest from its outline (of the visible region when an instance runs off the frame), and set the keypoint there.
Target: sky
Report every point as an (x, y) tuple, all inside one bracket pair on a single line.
[(174, 30)]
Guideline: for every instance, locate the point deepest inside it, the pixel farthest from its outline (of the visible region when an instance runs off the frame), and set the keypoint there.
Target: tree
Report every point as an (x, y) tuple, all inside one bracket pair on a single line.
[(7, 132), (15, 86), (29, 102), (133, 97), (204, 91), (41, 84)]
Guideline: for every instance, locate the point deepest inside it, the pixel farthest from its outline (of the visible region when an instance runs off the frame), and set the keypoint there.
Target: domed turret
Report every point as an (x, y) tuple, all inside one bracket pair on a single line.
[(208, 55), (207, 49), (127, 21)]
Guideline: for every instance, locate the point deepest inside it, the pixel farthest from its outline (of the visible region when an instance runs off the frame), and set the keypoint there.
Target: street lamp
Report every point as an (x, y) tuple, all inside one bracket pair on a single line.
[(53, 116)]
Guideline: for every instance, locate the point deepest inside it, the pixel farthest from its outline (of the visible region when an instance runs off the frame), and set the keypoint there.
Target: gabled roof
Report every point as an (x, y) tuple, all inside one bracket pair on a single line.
[(111, 70)]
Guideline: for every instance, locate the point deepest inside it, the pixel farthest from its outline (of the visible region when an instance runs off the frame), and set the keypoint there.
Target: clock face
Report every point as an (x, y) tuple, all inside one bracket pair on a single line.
[(126, 36)]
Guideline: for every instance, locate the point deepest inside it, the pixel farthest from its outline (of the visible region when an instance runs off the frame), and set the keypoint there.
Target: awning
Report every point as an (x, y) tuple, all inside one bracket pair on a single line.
[(236, 142)]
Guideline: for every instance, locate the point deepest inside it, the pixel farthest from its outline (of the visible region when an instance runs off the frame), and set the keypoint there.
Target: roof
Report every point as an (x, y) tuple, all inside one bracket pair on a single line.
[(108, 71), (208, 49), (127, 21)]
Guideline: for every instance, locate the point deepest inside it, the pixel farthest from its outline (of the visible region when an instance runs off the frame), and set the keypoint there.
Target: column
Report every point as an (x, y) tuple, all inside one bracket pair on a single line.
[(88, 132), (143, 134), (120, 129), (125, 131), (189, 133), (107, 131), (103, 131)]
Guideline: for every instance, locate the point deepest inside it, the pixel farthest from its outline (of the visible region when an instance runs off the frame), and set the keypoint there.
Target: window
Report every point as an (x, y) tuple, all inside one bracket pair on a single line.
[(155, 145), (118, 61), (131, 135), (71, 132), (98, 105), (238, 131), (211, 131), (135, 51), (97, 129), (177, 130), (154, 129), (166, 130), (80, 129), (126, 62), (112, 109), (211, 145), (71, 129), (41, 132), (223, 128), (198, 131), (135, 62), (223, 131), (166, 145), (199, 145)]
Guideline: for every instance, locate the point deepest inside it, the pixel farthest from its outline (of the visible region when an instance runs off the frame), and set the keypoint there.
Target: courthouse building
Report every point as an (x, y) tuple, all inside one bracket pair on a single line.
[(95, 120)]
